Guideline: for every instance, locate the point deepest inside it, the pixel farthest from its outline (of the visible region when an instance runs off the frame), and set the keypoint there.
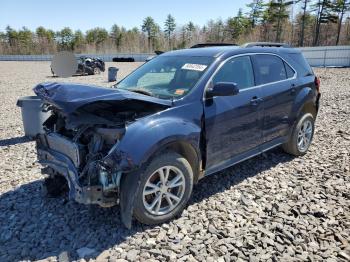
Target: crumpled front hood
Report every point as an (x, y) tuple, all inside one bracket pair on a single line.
[(69, 97)]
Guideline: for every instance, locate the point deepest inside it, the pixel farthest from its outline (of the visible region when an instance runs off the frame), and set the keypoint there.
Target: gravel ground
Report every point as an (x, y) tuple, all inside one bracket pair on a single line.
[(270, 208)]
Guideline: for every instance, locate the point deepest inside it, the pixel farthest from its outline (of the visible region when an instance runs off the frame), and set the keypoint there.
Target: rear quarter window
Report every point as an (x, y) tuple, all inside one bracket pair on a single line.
[(300, 64), (290, 72)]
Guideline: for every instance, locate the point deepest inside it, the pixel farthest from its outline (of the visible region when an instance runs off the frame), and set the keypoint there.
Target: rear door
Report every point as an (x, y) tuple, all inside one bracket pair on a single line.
[(233, 123), (278, 86)]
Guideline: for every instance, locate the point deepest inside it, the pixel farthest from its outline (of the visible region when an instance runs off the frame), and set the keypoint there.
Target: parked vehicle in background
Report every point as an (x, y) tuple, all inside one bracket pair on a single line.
[(181, 116), (88, 66)]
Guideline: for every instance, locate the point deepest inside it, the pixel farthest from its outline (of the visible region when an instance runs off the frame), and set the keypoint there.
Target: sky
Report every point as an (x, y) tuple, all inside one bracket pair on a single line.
[(87, 14)]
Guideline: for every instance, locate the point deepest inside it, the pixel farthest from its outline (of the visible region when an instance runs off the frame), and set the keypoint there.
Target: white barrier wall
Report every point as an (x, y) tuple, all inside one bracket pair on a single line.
[(323, 56), (105, 57), (327, 56)]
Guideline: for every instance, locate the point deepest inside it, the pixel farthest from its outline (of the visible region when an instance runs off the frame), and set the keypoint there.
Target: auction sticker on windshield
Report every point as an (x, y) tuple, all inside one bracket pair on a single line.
[(196, 67), (179, 91)]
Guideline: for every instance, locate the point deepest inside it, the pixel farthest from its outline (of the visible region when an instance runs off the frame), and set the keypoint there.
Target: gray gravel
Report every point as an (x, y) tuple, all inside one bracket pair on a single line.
[(271, 208)]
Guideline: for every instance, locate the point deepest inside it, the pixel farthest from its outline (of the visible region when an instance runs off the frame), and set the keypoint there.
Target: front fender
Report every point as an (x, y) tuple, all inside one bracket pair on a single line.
[(145, 137)]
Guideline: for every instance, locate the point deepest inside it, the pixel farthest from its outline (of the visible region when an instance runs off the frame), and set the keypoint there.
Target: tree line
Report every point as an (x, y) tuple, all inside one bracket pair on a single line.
[(298, 22)]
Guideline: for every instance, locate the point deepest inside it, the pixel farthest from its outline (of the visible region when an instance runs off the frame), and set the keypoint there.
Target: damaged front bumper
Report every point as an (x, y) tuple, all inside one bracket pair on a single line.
[(57, 163)]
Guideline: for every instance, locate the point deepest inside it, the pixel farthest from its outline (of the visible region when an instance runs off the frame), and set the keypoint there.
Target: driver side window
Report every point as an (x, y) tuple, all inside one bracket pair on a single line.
[(236, 70)]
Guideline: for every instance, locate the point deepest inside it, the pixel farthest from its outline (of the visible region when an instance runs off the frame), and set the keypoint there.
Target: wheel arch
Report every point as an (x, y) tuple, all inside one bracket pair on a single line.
[(130, 154), (130, 182), (305, 102), (186, 150)]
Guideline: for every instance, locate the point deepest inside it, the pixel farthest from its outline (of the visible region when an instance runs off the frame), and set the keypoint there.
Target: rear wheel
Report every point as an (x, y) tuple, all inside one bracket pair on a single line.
[(165, 187), (301, 137)]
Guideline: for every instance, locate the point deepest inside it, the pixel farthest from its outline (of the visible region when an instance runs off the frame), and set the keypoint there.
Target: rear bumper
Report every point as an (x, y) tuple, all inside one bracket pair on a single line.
[(62, 165)]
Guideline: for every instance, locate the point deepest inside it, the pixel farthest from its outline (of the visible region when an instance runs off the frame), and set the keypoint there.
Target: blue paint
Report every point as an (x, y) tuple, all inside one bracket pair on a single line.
[(221, 130)]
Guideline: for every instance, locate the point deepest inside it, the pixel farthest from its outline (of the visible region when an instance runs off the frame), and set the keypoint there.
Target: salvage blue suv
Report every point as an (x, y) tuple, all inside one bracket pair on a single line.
[(182, 116)]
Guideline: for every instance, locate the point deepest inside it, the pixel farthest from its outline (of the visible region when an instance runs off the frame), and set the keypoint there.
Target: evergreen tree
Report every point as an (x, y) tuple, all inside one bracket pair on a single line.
[(169, 28), (340, 7), (319, 22), (149, 27), (96, 36), (190, 28), (323, 9), (45, 40), (65, 38), (268, 19), (11, 36), (117, 34), (183, 39), (237, 25), (45, 33), (78, 40), (256, 9), (280, 13)]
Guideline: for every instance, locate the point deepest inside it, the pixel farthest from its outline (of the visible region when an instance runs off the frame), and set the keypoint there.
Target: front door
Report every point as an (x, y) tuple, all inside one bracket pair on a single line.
[(233, 123)]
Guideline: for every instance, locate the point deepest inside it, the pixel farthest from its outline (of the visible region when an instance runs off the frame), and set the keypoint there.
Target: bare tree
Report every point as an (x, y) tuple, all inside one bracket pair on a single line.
[(303, 19)]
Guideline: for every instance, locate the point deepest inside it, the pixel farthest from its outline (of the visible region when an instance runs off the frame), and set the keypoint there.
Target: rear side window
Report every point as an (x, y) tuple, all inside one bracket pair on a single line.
[(236, 70), (290, 72), (300, 64), (268, 69)]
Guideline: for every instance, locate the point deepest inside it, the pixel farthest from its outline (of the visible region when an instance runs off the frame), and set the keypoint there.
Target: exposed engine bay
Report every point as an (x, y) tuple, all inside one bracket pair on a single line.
[(82, 139)]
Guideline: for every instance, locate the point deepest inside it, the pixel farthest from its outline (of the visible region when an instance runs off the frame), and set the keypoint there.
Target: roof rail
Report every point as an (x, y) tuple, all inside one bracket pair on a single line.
[(266, 44), (212, 44)]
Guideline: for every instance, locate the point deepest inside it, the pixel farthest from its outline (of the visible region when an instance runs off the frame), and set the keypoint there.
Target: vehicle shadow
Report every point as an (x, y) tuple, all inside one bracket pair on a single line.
[(33, 227), (15, 140)]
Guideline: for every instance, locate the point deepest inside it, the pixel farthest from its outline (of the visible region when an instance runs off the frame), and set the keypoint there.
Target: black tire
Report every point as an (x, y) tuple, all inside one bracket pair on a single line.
[(168, 159), (291, 146), (88, 70)]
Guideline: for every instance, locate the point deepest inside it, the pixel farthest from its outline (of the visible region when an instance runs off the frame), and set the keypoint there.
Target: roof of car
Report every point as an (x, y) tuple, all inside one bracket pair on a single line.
[(229, 50)]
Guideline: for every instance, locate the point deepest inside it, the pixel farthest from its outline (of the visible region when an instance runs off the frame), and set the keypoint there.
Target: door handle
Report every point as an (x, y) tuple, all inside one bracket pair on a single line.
[(255, 101)]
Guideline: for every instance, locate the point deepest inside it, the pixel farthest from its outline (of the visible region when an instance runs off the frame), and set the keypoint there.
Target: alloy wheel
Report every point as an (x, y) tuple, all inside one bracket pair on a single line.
[(164, 190), (304, 135)]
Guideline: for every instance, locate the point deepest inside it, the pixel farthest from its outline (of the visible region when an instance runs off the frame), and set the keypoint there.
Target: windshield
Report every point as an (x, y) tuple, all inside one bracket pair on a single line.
[(166, 77)]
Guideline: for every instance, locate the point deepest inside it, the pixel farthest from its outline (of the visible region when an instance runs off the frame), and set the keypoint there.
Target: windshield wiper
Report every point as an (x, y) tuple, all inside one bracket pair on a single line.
[(141, 91)]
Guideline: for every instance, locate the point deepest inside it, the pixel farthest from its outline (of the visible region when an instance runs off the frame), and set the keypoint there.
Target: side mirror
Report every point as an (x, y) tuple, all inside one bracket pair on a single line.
[(222, 89)]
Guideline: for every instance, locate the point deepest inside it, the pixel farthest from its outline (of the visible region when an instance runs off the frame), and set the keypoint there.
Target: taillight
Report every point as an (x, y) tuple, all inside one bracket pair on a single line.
[(317, 84)]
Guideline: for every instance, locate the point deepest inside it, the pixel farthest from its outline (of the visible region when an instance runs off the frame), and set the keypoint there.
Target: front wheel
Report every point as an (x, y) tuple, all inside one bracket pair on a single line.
[(165, 187), (301, 137)]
